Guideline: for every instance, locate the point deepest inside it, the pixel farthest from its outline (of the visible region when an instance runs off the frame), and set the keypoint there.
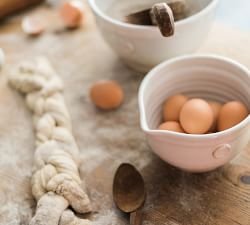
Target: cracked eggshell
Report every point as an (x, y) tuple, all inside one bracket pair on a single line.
[(72, 13), (33, 25), (2, 57)]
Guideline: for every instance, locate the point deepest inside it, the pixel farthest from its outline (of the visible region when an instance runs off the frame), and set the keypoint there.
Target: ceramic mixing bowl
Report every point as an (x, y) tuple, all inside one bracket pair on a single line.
[(143, 47), (209, 77)]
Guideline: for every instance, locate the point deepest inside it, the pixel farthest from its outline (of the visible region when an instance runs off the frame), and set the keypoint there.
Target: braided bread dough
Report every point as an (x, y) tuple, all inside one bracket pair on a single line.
[(56, 183)]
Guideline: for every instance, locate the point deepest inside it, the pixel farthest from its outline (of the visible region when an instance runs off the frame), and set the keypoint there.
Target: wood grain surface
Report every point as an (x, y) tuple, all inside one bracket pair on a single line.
[(8, 7), (106, 139)]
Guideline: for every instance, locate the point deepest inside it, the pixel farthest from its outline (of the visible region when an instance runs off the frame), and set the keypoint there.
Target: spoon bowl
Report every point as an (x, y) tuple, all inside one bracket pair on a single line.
[(128, 188)]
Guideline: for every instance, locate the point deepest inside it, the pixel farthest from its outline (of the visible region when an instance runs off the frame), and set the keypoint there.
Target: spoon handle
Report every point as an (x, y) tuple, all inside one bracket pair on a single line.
[(136, 217), (162, 16)]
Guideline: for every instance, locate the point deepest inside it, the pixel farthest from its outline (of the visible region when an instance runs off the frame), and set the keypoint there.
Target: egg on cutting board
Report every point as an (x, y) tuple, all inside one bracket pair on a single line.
[(106, 94)]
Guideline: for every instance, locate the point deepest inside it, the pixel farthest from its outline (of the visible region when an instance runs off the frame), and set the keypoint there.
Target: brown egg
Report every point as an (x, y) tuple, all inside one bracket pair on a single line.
[(216, 107), (72, 13), (231, 114), (196, 116), (106, 94), (171, 126), (172, 107), (32, 25)]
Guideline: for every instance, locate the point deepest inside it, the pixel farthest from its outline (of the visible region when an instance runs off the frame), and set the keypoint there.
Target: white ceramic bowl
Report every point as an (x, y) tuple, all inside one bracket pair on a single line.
[(142, 47), (209, 77)]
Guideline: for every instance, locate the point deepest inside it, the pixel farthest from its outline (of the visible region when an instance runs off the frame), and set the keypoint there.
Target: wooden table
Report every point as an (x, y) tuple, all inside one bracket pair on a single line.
[(106, 139)]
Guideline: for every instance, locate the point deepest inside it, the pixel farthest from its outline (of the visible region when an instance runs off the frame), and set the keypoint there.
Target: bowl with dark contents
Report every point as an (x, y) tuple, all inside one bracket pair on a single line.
[(140, 44)]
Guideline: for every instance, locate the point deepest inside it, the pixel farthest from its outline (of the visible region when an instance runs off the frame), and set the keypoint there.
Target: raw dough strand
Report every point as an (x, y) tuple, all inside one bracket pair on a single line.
[(56, 183)]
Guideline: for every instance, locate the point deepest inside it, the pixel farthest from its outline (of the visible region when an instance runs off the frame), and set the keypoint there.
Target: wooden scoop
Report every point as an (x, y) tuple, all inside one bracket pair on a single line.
[(178, 7), (129, 191), (160, 14)]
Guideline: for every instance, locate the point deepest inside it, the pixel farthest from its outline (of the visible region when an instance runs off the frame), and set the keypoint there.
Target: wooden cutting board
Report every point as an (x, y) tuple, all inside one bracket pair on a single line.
[(106, 139)]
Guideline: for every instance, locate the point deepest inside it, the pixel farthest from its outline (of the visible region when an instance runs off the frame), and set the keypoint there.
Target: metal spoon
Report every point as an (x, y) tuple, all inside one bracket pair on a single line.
[(129, 191)]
